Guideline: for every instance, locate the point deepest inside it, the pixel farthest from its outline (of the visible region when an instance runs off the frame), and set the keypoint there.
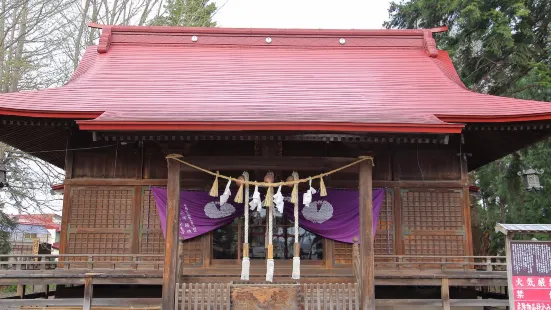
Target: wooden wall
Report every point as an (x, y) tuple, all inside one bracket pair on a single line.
[(108, 207)]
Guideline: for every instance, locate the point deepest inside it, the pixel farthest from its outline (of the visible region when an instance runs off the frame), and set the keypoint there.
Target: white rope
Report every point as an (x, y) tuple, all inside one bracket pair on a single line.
[(270, 225), (296, 268), (270, 270), (246, 199), (296, 256), (245, 268), (246, 263)]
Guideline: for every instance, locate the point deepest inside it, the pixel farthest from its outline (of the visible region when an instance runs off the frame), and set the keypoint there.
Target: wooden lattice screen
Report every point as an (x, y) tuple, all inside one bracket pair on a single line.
[(433, 223), (152, 240), (384, 238), (100, 220)]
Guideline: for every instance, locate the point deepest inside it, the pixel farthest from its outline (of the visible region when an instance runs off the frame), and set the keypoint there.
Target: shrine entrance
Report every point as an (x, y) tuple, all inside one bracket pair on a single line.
[(226, 240), (270, 227)]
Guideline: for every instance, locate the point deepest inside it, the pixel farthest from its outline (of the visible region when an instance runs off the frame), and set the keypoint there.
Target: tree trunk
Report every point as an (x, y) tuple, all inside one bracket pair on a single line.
[(78, 38), (18, 60), (94, 19), (7, 72), (3, 38)]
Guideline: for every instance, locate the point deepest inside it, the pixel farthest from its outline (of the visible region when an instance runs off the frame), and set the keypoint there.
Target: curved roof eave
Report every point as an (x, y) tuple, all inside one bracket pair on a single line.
[(380, 81)]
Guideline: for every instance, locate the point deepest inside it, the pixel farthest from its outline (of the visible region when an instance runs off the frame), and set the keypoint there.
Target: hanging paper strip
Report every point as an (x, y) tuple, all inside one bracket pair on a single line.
[(335, 216)]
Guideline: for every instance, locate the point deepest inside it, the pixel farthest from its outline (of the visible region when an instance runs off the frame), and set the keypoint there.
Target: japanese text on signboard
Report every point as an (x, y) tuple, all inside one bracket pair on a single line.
[(531, 264)]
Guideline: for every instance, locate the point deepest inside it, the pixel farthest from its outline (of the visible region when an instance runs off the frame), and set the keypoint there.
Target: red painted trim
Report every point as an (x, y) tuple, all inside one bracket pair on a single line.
[(495, 118), (104, 40), (430, 44), (51, 114), (269, 126), (57, 187), (439, 29)]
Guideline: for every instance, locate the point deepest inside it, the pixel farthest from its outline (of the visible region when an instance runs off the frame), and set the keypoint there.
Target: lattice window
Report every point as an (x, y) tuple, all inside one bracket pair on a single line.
[(150, 216), (152, 240), (193, 250), (444, 245), (384, 238), (342, 253), (425, 210), (152, 243), (99, 243), (101, 208)]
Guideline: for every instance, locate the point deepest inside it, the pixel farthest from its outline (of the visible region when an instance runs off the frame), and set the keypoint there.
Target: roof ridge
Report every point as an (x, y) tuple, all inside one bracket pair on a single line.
[(265, 31)]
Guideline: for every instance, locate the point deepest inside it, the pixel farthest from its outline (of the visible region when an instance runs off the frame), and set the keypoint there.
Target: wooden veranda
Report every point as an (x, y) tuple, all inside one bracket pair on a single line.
[(335, 288)]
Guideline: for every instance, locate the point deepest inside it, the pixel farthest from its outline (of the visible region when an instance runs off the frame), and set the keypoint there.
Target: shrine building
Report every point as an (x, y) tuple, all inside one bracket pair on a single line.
[(372, 130)]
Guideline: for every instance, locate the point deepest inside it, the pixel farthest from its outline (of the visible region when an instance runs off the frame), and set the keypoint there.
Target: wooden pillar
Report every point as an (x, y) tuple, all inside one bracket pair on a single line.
[(88, 292), (21, 287), (445, 292), (367, 262), (170, 269), (21, 291)]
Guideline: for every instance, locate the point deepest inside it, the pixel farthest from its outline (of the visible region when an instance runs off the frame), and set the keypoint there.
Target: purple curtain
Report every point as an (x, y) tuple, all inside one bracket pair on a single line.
[(335, 216)]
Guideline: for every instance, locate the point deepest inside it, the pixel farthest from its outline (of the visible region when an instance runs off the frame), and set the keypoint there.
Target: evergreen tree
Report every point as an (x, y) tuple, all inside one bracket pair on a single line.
[(190, 13), (499, 47)]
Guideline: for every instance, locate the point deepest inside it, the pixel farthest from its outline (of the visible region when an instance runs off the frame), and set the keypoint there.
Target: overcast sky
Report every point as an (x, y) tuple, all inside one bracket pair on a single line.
[(342, 14)]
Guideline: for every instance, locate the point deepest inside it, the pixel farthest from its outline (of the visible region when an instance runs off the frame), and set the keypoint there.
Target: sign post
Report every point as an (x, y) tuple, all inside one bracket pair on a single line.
[(36, 245), (529, 274)]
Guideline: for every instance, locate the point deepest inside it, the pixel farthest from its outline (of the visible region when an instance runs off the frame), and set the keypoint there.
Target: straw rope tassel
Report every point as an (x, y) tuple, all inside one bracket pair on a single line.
[(296, 253), (269, 201), (214, 189), (323, 190), (239, 196), (246, 263)]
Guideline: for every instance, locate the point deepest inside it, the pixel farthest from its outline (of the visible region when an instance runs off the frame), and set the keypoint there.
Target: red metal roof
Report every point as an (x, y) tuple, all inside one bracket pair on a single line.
[(46, 220), (161, 78)]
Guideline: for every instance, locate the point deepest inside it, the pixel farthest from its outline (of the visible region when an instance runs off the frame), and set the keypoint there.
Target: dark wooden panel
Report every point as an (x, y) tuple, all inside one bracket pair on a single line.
[(428, 164), (116, 161)]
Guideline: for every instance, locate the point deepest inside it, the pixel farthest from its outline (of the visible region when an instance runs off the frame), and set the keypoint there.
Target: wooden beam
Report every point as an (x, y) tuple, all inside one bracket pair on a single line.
[(445, 292), (21, 291), (65, 214), (509, 259), (136, 216), (397, 212), (170, 269), (466, 206), (367, 275), (88, 292), (337, 183), (77, 302), (69, 158), (437, 303), (274, 163)]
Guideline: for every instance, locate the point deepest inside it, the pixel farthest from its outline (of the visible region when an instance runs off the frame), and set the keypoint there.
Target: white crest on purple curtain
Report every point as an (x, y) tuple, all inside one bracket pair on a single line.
[(315, 215), (213, 211)]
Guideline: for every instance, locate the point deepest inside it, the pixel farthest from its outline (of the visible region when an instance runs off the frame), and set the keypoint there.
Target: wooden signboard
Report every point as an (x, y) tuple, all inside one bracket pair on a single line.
[(530, 276), (36, 245)]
